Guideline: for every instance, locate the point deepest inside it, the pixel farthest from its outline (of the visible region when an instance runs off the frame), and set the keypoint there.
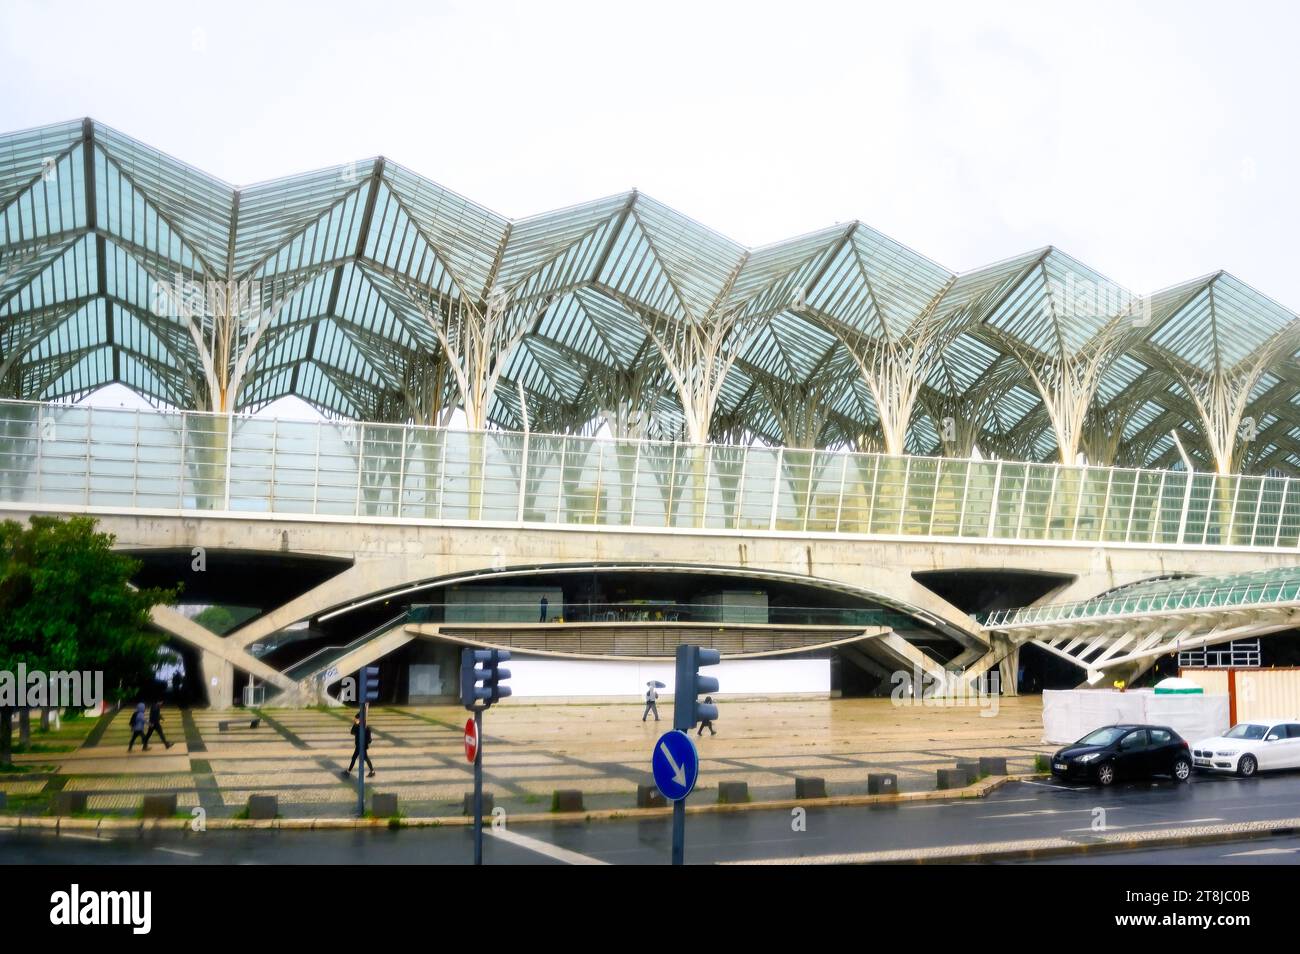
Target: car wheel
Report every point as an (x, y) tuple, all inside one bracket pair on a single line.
[(1182, 769), (1248, 766), (1106, 773)]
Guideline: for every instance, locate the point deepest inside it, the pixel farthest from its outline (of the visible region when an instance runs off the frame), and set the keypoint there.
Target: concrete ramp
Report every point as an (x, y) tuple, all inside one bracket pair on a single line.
[(218, 657), (896, 654)]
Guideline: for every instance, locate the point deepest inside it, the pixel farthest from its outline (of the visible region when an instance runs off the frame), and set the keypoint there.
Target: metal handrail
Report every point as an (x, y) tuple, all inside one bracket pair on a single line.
[(1237, 594), (654, 612), (379, 630)]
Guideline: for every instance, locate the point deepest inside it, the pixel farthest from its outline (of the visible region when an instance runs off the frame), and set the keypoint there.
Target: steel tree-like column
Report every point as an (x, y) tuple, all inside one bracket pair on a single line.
[(895, 366), (477, 337), (1067, 380), (1221, 396)]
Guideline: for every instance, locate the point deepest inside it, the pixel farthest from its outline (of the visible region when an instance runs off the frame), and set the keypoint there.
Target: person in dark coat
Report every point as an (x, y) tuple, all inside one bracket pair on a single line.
[(707, 723), (541, 606), (356, 747), (138, 724), (155, 725)]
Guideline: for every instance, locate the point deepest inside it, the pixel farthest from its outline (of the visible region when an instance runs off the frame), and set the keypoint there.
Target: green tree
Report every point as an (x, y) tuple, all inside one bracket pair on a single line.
[(66, 603)]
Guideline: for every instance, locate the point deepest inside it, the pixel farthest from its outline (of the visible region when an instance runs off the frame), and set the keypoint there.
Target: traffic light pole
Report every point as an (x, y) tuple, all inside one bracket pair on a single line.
[(478, 789), (687, 713), (369, 693), (361, 768), (481, 678)]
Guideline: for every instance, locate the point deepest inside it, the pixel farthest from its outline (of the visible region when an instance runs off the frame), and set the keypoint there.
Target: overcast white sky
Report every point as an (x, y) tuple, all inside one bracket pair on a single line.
[(1155, 141)]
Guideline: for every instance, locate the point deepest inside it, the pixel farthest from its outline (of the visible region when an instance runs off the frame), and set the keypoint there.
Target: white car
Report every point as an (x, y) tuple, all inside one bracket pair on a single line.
[(1250, 747)]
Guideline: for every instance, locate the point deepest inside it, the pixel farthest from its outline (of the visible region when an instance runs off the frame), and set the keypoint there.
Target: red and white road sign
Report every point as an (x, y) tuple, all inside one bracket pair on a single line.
[(471, 740)]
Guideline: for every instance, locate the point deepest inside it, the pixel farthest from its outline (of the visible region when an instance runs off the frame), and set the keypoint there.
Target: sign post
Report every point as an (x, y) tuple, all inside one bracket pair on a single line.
[(474, 754), (675, 761), (676, 766), (478, 787)]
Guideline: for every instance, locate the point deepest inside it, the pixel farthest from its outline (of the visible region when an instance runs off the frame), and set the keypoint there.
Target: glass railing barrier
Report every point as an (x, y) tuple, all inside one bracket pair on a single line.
[(194, 461)]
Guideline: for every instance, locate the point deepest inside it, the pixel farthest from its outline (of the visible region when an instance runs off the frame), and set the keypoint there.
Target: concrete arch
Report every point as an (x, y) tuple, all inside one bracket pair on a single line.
[(919, 613)]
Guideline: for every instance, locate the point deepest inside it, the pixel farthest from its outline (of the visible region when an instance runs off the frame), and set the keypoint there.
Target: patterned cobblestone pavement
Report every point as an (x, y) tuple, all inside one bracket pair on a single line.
[(530, 751)]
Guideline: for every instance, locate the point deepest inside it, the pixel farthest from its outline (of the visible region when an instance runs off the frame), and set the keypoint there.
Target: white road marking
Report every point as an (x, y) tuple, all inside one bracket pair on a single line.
[(543, 847), (1059, 788), (1262, 851), (1145, 825), (958, 803), (802, 839), (1050, 811), (72, 834), (178, 851)]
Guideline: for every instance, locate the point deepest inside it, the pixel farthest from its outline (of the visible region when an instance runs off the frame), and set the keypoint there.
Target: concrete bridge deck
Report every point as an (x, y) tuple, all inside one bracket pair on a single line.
[(407, 511)]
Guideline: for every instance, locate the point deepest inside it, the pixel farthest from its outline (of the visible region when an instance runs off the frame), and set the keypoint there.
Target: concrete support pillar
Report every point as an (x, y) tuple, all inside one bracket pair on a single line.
[(1008, 666), (218, 679)]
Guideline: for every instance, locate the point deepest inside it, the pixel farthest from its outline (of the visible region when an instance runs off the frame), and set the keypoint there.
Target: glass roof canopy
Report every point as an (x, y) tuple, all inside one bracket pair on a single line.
[(98, 232)]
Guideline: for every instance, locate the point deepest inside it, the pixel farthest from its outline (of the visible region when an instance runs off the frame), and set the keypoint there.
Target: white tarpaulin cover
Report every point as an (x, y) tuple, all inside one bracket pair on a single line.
[(1070, 714)]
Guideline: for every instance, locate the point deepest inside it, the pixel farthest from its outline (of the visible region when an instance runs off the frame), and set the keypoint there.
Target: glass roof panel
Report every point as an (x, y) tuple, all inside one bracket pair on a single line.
[(903, 283), (696, 260), (323, 209), (196, 205), (357, 247), (539, 240), (466, 236)]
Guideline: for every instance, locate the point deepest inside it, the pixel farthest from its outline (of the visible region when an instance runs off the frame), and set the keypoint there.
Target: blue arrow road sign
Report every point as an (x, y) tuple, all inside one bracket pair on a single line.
[(676, 765)]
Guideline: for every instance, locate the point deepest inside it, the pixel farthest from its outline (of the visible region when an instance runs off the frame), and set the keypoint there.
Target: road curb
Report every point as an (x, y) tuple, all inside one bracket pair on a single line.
[(1024, 850), (109, 824), (1046, 848)]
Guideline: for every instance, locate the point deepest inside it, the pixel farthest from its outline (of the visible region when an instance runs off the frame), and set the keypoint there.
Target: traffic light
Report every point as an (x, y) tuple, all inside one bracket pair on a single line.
[(369, 684), (687, 710), (481, 676)]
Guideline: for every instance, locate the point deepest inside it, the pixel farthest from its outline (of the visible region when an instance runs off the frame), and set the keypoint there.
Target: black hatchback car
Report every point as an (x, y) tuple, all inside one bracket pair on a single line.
[(1116, 752)]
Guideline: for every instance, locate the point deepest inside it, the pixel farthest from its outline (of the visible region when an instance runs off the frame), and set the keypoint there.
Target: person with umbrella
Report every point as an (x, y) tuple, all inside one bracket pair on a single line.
[(652, 699)]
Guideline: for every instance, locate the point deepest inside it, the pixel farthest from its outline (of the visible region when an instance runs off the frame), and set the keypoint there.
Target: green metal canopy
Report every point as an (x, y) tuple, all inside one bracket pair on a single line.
[(372, 292)]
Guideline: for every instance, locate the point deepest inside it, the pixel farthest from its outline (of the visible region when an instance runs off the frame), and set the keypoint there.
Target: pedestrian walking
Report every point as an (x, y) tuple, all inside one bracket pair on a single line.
[(356, 747), (651, 703), (155, 725), (139, 722), (707, 723), (542, 606)]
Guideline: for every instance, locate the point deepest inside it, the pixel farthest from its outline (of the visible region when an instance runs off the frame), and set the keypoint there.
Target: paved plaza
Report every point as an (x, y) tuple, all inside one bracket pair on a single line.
[(530, 751)]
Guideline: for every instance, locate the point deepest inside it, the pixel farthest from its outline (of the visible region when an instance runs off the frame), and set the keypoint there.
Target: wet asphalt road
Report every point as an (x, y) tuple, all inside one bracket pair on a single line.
[(1019, 810)]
